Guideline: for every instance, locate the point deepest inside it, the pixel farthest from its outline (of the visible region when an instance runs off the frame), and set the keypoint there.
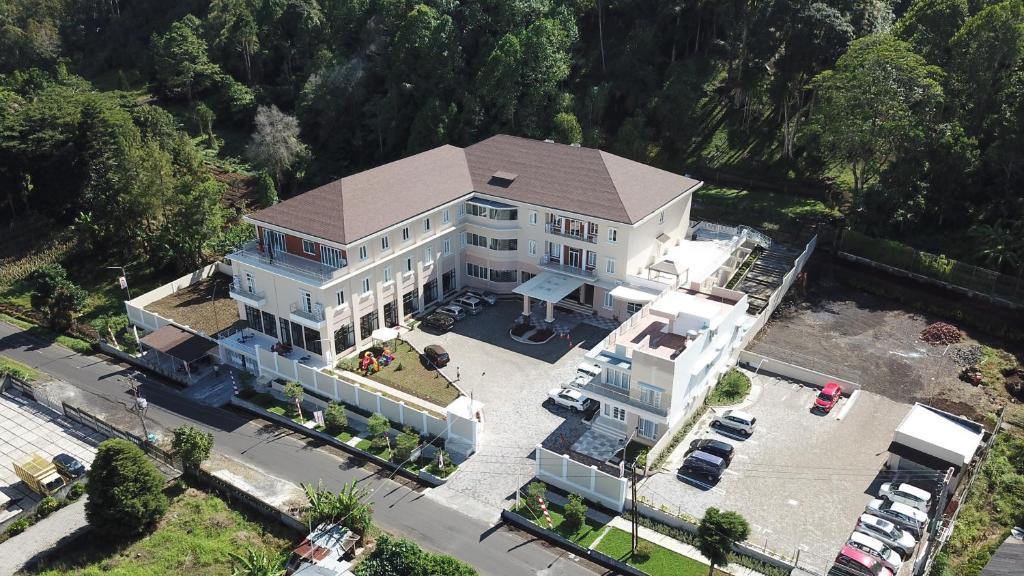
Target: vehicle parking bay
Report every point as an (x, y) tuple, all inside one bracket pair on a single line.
[(801, 480), (27, 428)]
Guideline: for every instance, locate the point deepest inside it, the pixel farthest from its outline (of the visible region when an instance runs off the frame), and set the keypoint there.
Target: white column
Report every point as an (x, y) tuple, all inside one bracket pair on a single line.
[(550, 312), (526, 305)]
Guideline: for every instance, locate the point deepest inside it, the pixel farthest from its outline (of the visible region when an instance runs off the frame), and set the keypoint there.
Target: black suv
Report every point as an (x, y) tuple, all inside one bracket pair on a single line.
[(723, 450), (702, 464), (69, 466), (438, 322)]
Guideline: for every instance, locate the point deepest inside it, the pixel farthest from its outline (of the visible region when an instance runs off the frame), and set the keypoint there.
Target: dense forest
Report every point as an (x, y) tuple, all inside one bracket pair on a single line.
[(123, 116)]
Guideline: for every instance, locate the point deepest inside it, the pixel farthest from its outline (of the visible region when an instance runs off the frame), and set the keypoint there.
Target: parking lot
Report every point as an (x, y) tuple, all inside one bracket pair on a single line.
[(517, 416), (27, 428), (801, 479)]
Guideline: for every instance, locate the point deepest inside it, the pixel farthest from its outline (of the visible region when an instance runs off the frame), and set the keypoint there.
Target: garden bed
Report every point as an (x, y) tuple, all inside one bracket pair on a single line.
[(407, 373)]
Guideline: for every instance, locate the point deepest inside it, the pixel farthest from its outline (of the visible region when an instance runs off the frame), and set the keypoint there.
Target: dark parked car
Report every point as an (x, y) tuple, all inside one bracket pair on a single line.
[(436, 355), (702, 464), (69, 466), (438, 322), (723, 450)]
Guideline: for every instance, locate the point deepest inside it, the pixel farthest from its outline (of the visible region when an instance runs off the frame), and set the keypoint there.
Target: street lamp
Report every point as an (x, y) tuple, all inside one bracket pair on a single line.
[(213, 303), (124, 277)]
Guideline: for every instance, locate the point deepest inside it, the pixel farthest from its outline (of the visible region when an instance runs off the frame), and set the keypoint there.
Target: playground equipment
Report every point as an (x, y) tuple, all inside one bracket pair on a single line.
[(369, 364), (386, 357)]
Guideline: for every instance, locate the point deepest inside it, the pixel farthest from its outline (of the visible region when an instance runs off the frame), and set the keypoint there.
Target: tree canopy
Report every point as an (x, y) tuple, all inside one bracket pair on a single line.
[(125, 491)]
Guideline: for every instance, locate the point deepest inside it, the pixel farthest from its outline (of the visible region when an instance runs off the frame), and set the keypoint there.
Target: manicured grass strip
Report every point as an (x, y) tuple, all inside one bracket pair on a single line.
[(75, 344), (662, 562), (16, 321), (17, 369), (583, 536), (767, 211)]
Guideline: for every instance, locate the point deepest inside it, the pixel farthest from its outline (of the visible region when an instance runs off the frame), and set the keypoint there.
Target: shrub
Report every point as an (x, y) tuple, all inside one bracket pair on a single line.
[(399, 367), (76, 491), (125, 491), (335, 417), (520, 329), (535, 490), (405, 444), (733, 387), (541, 335), (294, 392), (575, 513), (644, 550), (47, 506), (191, 445), (377, 425), (18, 526), (441, 465)]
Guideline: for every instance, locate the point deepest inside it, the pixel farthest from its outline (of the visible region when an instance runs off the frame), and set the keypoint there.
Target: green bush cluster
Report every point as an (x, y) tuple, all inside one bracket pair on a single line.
[(47, 506), (395, 557), (575, 513), (731, 389)]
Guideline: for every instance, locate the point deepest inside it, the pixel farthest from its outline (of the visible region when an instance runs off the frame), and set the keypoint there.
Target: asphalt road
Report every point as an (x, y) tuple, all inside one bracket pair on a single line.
[(400, 507)]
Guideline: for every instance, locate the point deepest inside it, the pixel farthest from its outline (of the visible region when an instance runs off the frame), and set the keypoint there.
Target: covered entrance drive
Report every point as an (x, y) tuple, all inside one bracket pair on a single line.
[(549, 287)]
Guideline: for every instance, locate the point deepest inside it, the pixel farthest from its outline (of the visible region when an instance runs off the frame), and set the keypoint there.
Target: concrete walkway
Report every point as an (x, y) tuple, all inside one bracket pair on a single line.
[(678, 547), (67, 522)]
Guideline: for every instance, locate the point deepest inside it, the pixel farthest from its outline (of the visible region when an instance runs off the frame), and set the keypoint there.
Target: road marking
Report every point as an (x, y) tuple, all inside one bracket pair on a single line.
[(733, 472), (849, 404), (792, 502)]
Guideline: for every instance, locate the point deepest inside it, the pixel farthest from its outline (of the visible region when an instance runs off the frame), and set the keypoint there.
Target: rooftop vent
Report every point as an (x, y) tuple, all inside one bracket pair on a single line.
[(506, 176)]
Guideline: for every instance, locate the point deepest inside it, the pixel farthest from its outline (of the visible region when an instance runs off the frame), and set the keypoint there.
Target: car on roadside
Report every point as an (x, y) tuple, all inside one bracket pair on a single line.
[(570, 398), (438, 322), (853, 561), (888, 533), (469, 304), (906, 494), (68, 466), (451, 310), (489, 298), (902, 515), (736, 420), (436, 355), (875, 547), (702, 464), (723, 450), (828, 397)]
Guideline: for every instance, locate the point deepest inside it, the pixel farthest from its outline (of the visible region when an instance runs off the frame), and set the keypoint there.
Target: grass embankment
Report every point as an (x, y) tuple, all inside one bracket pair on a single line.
[(76, 344), (196, 536), (271, 404), (994, 506), (769, 212), (584, 535), (17, 369), (408, 374), (661, 561), (731, 389)]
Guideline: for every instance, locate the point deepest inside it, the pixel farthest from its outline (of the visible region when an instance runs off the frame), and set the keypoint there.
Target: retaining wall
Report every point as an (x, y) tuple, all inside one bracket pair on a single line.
[(765, 365)]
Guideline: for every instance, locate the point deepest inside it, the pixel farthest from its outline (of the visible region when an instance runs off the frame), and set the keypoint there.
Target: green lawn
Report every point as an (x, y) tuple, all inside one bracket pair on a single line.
[(584, 536), (76, 344), (18, 369), (766, 211), (663, 562), (409, 375), (195, 537)]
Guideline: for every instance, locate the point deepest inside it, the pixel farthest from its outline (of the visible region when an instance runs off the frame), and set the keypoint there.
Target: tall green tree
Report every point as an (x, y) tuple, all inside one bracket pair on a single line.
[(181, 60), (929, 25), (192, 445), (125, 491), (54, 294), (717, 532)]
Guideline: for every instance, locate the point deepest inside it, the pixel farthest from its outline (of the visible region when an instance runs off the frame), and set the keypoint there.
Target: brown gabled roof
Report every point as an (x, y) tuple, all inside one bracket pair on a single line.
[(359, 205), (181, 344), (570, 178)]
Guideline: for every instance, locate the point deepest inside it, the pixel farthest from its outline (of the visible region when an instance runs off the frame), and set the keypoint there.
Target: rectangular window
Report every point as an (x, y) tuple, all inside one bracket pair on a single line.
[(297, 340), (591, 260), (476, 239), (476, 210), (617, 379), (477, 271), (313, 341), (633, 308), (613, 235), (526, 276), (254, 318), (428, 255), (609, 266), (533, 248), (286, 331), (426, 224), (504, 275), (408, 264), (462, 210), (269, 325), (533, 217), (250, 285), (385, 243), (274, 241), (308, 246), (341, 297), (446, 216), (306, 300), (366, 285), (650, 396), (344, 338), (367, 324), (661, 217), (447, 246), (615, 412), (387, 273), (608, 300), (331, 257), (405, 234), (503, 244), (647, 428), (363, 255)]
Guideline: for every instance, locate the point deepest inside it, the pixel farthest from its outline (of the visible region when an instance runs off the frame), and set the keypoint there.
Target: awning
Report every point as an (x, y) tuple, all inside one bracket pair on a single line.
[(548, 286), (632, 295), (384, 334), (180, 344)]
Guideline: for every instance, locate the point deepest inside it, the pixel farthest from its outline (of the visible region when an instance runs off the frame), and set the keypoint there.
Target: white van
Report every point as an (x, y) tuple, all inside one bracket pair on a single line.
[(584, 374), (469, 304), (906, 494), (875, 547)]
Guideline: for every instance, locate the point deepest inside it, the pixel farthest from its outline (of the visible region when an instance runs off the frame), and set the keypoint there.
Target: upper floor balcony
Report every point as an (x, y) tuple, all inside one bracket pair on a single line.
[(575, 233), (313, 317), (298, 268), (254, 299), (602, 391), (586, 273)]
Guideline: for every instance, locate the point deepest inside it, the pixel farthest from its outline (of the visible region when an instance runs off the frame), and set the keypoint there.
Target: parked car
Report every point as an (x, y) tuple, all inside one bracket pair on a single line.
[(69, 466), (906, 494), (853, 561), (490, 298), (451, 310), (888, 533), (702, 464), (899, 513), (875, 547), (436, 355), (584, 374), (470, 304), (828, 397), (723, 450), (570, 398), (438, 322), (737, 420)]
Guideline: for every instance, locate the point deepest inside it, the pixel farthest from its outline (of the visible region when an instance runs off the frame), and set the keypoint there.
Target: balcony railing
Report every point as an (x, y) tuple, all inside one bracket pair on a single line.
[(566, 233), (598, 390), (258, 297), (585, 273), (282, 262), (316, 315)]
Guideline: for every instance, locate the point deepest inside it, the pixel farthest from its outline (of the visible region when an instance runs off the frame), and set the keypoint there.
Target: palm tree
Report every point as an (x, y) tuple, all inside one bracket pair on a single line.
[(1001, 245), (347, 507), (256, 562)]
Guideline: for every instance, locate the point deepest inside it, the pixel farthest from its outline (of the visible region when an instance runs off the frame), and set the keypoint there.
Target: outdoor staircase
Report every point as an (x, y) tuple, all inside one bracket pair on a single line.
[(766, 275), (574, 307)]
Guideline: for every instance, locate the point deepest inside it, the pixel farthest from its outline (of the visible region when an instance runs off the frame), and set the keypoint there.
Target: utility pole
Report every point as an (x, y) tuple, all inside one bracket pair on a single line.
[(122, 280), (636, 529)]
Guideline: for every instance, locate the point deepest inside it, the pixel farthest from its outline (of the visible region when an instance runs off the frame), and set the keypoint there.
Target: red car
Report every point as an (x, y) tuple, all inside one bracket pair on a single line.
[(828, 397), (853, 561)]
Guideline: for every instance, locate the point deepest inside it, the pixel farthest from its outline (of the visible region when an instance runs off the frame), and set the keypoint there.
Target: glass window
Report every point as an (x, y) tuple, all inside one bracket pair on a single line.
[(387, 273), (344, 338), (533, 216), (650, 396), (526, 276), (428, 255), (385, 243), (613, 235), (308, 246), (462, 210), (408, 264), (331, 257), (445, 216), (609, 266), (341, 297), (405, 234), (367, 324), (286, 331), (366, 284), (615, 412), (661, 217), (633, 308), (363, 253), (647, 429), (297, 339), (533, 248), (306, 300), (269, 324), (426, 224), (254, 318), (447, 246), (313, 341), (250, 285), (476, 239), (504, 275), (504, 244), (608, 300), (617, 379)]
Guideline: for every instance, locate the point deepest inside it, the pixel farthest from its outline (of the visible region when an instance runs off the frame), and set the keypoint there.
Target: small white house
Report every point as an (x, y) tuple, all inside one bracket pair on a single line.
[(930, 439)]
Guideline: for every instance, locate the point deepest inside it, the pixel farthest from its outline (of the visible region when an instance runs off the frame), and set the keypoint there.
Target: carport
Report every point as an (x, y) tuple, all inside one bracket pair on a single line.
[(929, 439), (179, 353), (549, 287)]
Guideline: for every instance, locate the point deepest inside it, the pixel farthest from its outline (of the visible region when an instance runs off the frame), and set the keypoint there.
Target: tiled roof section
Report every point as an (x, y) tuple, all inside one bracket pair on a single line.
[(356, 206), (582, 180)]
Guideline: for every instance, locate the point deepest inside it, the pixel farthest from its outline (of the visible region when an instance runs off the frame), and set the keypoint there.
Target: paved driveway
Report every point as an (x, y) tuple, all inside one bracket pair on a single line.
[(802, 479), (512, 380)]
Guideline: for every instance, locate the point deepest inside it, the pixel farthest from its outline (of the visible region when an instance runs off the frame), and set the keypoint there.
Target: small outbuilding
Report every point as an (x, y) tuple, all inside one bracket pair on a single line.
[(929, 439), (178, 353), (1009, 557)]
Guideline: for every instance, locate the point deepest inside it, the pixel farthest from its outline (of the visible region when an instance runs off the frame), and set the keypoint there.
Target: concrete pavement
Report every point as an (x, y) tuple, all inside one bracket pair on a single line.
[(66, 523), (400, 507)]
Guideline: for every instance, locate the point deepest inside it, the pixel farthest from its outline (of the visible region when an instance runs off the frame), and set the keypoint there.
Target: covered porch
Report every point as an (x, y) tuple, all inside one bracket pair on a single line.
[(549, 288), (179, 354)]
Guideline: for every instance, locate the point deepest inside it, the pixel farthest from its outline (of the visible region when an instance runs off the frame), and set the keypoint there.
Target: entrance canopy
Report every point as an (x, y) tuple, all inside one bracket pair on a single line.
[(633, 295), (383, 334), (548, 286), (180, 344)]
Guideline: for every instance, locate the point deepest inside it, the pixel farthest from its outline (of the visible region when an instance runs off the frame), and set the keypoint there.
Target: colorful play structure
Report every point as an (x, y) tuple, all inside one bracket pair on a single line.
[(371, 364)]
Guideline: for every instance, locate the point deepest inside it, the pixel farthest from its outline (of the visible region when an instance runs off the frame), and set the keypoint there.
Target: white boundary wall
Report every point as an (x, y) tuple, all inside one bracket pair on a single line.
[(136, 307), (586, 481), (760, 363), (776, 298)]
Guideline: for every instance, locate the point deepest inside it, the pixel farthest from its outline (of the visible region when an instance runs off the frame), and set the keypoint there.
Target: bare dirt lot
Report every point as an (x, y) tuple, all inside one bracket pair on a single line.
[(875, 342)]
